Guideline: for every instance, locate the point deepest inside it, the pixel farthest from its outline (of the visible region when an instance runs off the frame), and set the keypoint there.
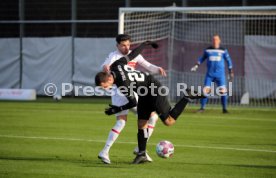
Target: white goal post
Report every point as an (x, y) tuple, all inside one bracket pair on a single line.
[(249, 34)]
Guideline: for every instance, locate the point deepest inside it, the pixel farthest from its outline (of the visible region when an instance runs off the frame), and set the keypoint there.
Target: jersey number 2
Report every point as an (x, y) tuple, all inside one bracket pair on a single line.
[(134, 74)]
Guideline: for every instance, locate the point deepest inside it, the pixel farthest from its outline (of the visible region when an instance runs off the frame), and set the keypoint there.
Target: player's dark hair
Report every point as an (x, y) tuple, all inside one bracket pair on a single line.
[(101, 77), (122, 37)]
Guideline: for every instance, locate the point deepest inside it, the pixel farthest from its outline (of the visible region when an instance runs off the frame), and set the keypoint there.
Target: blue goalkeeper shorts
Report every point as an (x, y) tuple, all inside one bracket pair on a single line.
[(220, 81)]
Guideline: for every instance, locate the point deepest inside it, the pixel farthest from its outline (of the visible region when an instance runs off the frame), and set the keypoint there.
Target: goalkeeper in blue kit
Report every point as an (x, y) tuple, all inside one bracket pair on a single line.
[(215, 57)]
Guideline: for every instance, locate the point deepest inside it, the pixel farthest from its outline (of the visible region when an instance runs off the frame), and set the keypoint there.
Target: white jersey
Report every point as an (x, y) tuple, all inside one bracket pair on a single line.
[(114, 56), (119, 99)]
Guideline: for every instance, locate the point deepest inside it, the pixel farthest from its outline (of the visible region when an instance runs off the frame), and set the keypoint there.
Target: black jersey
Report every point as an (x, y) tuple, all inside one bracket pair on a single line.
[(127, 79), (126, 76)]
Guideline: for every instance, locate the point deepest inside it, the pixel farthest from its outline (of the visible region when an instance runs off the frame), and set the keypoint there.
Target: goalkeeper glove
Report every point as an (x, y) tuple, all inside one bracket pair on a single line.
[(193, 69), (112, 110), (231, 75)]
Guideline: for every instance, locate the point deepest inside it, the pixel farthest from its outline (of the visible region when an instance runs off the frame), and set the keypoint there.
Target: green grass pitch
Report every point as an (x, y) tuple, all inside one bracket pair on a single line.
[(62, 139)]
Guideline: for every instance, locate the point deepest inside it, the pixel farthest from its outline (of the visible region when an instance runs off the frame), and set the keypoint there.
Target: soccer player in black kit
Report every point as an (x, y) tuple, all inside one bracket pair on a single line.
[(124, 76)]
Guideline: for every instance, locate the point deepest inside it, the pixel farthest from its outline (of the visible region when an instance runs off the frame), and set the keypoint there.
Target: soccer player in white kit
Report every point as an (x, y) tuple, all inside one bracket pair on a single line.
[(123, 49)]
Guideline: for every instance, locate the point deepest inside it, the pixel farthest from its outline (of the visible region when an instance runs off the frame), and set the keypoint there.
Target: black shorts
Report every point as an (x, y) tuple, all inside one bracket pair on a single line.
[(149, 103)]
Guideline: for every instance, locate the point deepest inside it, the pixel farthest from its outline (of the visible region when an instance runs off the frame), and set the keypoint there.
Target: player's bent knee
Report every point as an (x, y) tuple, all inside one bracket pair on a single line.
[(207, 90), (153, 114), (142, 124), (122, 117), (169, 121), (222, 90)]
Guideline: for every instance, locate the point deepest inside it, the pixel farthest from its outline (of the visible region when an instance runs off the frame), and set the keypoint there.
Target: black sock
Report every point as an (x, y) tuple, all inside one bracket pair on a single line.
[(142, 140), (179, 107)]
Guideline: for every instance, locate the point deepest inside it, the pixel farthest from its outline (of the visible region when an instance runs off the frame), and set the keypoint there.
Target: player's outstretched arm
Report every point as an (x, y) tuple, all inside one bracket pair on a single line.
[(199, 61), (150, 67), (195, 67), (134, 53), (115, 109)]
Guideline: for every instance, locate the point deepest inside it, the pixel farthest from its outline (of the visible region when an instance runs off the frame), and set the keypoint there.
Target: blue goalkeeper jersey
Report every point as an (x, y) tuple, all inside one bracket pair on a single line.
[(215, 61)]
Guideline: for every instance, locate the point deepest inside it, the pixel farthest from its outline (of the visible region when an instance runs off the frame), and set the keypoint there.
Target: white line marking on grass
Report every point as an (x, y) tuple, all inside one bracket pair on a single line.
[(103, 141), (227, 148), (231, 119)]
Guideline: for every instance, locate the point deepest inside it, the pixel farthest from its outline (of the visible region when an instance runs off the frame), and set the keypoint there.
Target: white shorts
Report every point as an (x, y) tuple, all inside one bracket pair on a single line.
[(118, 99)]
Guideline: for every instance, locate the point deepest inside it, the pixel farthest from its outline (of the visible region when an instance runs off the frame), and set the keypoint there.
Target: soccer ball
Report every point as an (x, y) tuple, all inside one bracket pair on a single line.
[(164, 149), (57, 97)]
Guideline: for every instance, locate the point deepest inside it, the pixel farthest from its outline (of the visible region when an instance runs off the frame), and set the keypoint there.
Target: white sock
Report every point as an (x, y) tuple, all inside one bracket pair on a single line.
[(151, 123), (113, 134)]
